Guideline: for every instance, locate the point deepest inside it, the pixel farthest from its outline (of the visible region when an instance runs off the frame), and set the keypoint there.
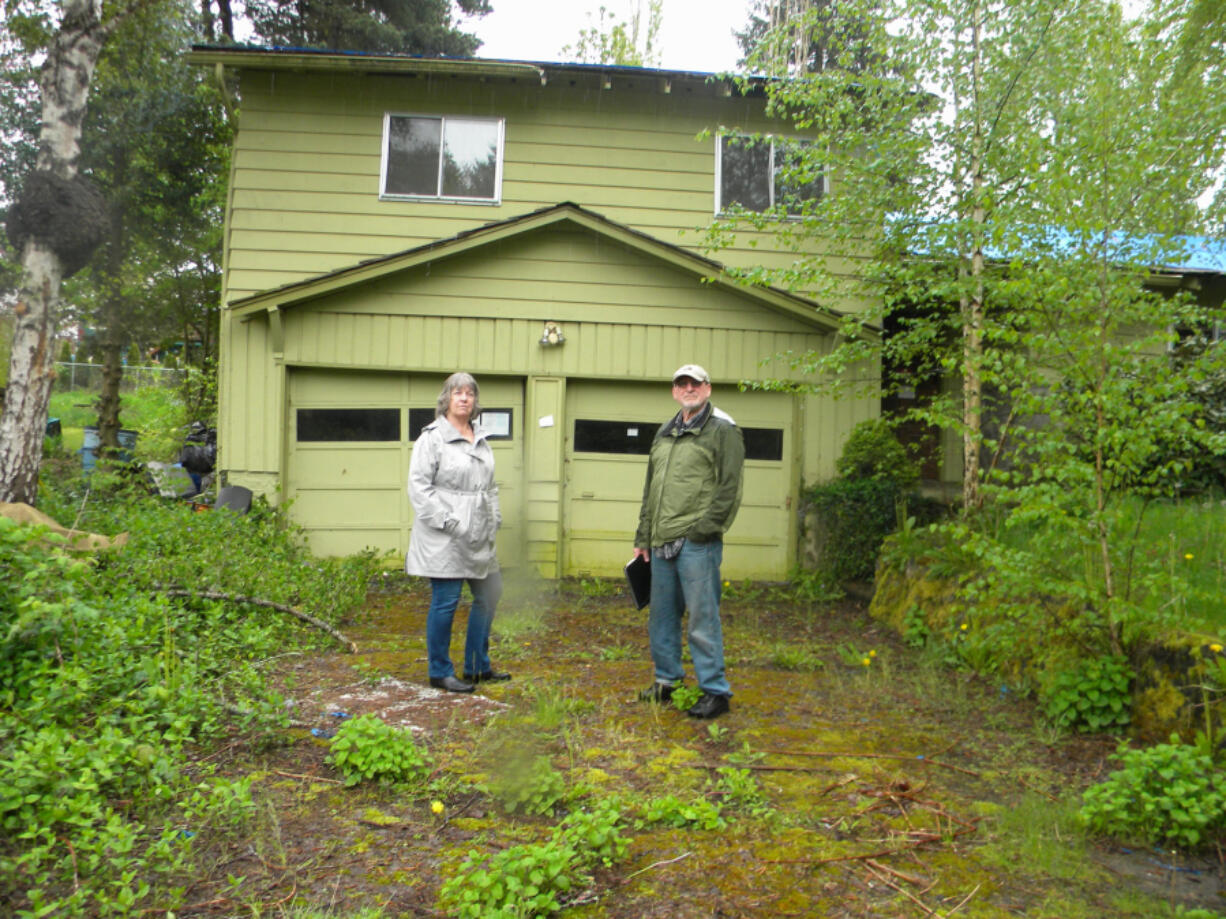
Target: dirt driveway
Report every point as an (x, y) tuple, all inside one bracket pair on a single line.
[(886, 784)]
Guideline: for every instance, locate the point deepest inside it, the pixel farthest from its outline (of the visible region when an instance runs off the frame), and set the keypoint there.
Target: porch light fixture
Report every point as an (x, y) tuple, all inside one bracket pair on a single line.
[(551, 335)]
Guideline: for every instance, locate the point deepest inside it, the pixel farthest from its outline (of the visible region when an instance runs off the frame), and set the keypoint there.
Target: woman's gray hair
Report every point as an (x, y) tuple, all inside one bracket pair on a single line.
[(456, 381)]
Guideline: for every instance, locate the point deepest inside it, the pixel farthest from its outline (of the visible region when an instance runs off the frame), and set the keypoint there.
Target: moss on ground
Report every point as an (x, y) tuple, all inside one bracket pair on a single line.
[(887, 790)]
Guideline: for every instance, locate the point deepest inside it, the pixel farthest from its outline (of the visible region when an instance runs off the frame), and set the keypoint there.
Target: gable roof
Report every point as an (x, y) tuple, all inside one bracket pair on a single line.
[(705, 269)]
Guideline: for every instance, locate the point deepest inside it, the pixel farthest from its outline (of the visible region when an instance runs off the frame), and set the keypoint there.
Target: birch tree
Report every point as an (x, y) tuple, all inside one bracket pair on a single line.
[(55, 225), (938, 161)]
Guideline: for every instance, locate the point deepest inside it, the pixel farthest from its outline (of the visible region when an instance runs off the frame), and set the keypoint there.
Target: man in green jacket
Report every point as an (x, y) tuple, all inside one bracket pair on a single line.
[(691, 496)]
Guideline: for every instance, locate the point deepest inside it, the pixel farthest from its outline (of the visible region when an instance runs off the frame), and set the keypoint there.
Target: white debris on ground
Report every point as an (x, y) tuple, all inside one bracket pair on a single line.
[(410, 705)]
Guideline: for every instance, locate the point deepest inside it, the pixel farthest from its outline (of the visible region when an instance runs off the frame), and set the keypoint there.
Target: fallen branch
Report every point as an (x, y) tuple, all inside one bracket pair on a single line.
[(753, 767), (909, 878), (667, 861), (457, 813), (269, 604), (965, 900), (928, 911), (920, 758), (919, 839), (1047, 795), (309, 778)]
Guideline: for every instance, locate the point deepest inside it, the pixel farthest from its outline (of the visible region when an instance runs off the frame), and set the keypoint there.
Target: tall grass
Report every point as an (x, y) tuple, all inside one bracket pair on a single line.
[(1186, 541), (156, 413), (1169, 558)]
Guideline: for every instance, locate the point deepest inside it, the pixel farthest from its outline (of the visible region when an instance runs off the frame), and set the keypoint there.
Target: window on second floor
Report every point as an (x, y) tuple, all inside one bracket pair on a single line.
[(754, 174), (443, 158)]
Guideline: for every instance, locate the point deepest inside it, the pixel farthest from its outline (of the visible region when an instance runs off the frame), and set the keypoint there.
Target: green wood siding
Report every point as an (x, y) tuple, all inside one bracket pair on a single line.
[(304, 202), (306, 170)]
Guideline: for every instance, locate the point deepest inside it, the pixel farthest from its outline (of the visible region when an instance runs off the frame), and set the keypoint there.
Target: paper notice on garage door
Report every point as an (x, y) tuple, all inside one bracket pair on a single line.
[(546, 421)]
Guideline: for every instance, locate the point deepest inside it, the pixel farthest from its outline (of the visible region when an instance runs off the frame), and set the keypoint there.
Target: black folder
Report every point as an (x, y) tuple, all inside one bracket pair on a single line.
[(638, 576)]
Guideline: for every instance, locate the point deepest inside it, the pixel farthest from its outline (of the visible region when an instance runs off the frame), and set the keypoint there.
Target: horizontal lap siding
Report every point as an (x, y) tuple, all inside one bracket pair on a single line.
[(305, 191)]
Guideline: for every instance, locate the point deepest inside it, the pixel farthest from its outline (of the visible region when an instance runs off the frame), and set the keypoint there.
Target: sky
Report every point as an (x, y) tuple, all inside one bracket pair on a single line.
[(695, 35)]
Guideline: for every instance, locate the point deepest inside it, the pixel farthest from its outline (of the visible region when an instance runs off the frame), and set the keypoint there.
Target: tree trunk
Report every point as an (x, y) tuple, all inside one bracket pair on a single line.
[(972, 311), (23, 422), (227, 19), (108, 401), (64, 87)]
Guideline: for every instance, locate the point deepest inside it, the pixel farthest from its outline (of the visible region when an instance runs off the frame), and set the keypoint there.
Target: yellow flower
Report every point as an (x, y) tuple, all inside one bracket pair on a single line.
[(866, 661), (727, 583), (872, 653), (1189, 556), (1215, 647), (964, 627), (437, 807)]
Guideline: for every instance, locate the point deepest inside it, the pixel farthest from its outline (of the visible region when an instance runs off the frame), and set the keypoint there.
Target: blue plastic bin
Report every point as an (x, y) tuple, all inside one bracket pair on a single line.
[(89, 446)]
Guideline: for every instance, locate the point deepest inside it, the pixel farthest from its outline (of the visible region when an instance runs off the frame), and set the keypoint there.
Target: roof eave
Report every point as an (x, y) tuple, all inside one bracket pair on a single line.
[(711, 271)]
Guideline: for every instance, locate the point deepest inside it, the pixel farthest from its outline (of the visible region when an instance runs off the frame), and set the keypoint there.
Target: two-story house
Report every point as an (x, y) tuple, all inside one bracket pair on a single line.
[(394, 219)]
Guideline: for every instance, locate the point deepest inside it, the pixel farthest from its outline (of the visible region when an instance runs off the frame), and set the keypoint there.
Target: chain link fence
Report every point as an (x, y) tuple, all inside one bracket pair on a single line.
[(73, 376)]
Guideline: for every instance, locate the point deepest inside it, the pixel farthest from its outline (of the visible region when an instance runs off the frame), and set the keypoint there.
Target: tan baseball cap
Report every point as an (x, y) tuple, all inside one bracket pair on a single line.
[(694, 372)]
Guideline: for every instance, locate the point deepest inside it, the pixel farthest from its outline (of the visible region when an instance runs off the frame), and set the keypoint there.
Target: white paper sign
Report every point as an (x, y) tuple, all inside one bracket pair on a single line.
[(496, 423), (546, 421)]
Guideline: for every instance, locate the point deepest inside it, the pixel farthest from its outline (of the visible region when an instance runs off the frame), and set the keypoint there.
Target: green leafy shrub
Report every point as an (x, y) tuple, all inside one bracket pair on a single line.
[(685, 697), (530, 880), (853, 518), (368, 749), (104, 680), (741, 790), (528, 786), (516, 883), (873, 453), (595, 833), (672, 811), (1168, 793), (1094, 696)]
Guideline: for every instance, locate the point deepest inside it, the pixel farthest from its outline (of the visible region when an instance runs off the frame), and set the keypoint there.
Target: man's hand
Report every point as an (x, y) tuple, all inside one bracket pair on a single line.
[(643, 554)]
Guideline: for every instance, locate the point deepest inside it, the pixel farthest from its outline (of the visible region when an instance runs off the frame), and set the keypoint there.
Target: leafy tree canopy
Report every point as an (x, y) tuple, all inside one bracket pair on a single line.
[(633, 43), (427, 27)]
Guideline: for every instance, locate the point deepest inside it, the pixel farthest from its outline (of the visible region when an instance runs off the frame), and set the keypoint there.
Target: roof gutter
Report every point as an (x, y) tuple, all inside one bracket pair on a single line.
[(363, 63)]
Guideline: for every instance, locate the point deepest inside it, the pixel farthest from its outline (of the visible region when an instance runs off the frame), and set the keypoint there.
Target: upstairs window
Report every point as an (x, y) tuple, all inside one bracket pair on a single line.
[(753, 173), (442, 158)]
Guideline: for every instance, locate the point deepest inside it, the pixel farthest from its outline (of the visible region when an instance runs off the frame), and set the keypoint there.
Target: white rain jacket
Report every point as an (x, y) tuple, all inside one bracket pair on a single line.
[(455, 503)]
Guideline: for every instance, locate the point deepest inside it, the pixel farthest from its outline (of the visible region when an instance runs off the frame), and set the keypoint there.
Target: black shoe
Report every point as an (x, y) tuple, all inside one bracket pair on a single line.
[(657, 692), (450, 683), (709, 706), (487, 676)]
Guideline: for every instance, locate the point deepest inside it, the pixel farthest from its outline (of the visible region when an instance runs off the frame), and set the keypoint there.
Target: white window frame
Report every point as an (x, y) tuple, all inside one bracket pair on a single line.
[(439, 197), (720, 210)]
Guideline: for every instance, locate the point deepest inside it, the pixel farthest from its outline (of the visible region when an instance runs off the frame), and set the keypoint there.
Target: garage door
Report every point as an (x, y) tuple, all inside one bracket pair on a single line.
[(350, 434), (609, 432)]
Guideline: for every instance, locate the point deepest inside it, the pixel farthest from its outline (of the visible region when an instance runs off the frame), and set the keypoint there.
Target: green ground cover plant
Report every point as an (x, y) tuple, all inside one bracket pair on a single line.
[(1093, 696), (368, 749), (1169, 793), (106, 681)]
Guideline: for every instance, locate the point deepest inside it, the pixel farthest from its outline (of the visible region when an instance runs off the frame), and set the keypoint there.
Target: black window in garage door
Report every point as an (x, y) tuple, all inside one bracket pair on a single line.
[(634, 438)]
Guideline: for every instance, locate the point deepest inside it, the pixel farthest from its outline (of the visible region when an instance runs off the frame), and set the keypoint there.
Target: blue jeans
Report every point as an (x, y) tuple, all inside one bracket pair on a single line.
[(444, 598), (689, 581)]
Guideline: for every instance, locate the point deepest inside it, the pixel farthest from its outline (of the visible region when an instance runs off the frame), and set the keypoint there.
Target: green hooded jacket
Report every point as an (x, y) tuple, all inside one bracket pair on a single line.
[(693, 486)]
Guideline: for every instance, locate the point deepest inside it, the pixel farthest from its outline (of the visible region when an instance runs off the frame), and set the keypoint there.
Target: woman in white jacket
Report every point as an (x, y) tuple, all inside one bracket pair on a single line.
[(456, 516)]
